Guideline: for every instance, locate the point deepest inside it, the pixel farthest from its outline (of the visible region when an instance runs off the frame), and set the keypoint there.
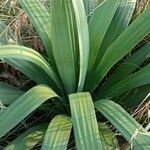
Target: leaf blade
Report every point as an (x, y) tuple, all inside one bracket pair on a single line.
[(127, 67), (8, 94), (118, 24), (40, 18), (13, 51), (120, 48), (57, 134), (26, 104), (135, 80), (63, 47), (84, 122), (125, 124), (83, 39), (98, 26)]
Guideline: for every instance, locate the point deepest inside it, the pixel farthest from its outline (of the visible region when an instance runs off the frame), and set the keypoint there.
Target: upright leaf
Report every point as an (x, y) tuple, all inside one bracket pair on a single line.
[(118, 24), (24, 106), (124, 44), (83, 39), (57, 134), (98, 25), (132, 131), (62, 42), (84, 122)]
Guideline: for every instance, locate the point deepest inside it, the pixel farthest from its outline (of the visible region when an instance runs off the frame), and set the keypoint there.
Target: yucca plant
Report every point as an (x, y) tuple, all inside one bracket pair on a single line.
[(83, 44)]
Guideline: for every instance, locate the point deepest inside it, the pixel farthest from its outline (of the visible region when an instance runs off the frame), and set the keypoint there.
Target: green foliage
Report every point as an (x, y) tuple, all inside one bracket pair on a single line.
[(82, 48)]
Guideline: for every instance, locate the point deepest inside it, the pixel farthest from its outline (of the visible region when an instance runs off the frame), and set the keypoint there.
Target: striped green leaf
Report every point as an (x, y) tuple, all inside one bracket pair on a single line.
[(124, 44), (83, 39), (84, 122), (9, 94), (63, 47), (28, 68), (28, 139), (24, 106), (128, 66), (40, 18), (57, 134), (137, 79), (98, 25), (13, 51), (132, 131), (31, 70), (118, 24)]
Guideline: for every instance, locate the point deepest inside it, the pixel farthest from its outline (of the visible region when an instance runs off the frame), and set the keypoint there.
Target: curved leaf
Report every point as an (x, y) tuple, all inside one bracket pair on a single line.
[(9, 94), (57, 134), (28, 68), (24, 106), (12, 51), (139, 78), (84, 122), (128, 66), (131, 130), (31, 70)]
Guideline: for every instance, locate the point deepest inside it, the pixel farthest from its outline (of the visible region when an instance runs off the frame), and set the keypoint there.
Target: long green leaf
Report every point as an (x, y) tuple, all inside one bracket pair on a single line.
[(83, 37), (31, 70), (84, 122), (40, 18), (118, 24), (62, 42), (24, 106), (98, 25), (9, 94), (12, 51), (28, 68), (128, 66), (131, 130), (124, 44), (57, 134), (28, 139), (139, 78)]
